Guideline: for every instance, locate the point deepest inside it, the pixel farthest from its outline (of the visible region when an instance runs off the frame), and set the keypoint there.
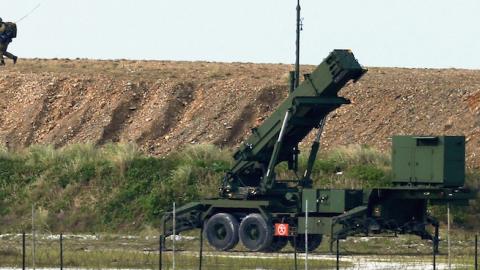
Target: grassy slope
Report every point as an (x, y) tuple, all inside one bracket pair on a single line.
[(82, 188)]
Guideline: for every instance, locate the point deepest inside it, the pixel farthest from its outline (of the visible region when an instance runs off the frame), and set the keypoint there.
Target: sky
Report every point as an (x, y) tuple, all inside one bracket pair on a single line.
[(392, 33)]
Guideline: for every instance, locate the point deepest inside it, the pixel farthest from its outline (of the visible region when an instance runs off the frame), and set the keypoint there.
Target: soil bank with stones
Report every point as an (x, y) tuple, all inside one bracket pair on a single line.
[(163, 106)]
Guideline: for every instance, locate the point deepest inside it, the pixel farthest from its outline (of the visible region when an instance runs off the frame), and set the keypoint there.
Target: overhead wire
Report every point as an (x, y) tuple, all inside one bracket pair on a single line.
[(29, 13)]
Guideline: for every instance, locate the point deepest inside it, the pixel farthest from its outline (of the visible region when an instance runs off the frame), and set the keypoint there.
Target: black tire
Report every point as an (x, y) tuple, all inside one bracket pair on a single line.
[(278, 243), (255, 232), (221, 231), (314, 241)]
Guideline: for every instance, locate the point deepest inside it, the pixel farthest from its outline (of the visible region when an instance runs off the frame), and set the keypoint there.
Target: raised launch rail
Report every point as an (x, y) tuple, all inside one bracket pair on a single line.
[(276, 139)]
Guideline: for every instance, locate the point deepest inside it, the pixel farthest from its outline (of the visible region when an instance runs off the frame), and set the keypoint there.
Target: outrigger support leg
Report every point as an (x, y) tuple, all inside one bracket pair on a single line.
[(346, 224), (332, 240), (436, 239)]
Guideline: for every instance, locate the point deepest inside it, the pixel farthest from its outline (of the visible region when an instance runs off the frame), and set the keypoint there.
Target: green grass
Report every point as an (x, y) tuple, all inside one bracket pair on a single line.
[(140, 252), (115, 259), (82, 187), (87, 188), (353, 166), (115, 251)]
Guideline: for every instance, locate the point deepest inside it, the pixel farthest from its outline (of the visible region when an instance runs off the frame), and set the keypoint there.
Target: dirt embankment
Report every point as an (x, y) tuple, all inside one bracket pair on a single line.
[(165, 105)]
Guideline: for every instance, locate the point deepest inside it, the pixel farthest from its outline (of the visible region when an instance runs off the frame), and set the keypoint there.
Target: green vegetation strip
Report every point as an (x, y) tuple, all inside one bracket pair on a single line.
[(85, 188)]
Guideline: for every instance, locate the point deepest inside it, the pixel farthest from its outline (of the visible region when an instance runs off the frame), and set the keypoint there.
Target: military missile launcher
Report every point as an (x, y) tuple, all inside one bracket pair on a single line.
[(263, 212)]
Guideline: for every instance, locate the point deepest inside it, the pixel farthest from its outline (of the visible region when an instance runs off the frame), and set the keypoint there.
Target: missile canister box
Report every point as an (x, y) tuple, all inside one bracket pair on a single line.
[(431, 161)]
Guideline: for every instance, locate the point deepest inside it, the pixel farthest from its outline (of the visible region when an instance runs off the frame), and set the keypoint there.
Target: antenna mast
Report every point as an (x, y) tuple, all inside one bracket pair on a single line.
[(297, 61)]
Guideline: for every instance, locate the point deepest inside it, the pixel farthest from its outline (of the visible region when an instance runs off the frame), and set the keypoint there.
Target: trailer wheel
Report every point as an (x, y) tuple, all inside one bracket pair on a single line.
[(314, 241), (221, 231), (255, 232), (278, 243)]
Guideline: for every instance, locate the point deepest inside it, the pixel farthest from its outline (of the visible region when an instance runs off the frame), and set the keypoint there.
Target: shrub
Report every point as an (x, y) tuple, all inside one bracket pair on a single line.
[(369, 175)]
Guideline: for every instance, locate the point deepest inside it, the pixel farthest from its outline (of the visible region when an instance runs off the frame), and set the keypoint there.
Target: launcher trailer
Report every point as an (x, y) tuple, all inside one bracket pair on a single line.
[(264, 213)]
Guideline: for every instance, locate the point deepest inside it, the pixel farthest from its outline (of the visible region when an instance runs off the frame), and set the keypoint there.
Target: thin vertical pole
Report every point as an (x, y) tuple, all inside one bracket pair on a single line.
[(23, 251), (306, 234), (448, 238), (200, 256), (338, 254), (33, 236), (160, 252), (61, 251), (295, 250), (476, 252), (174, 237), (434, 254)]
